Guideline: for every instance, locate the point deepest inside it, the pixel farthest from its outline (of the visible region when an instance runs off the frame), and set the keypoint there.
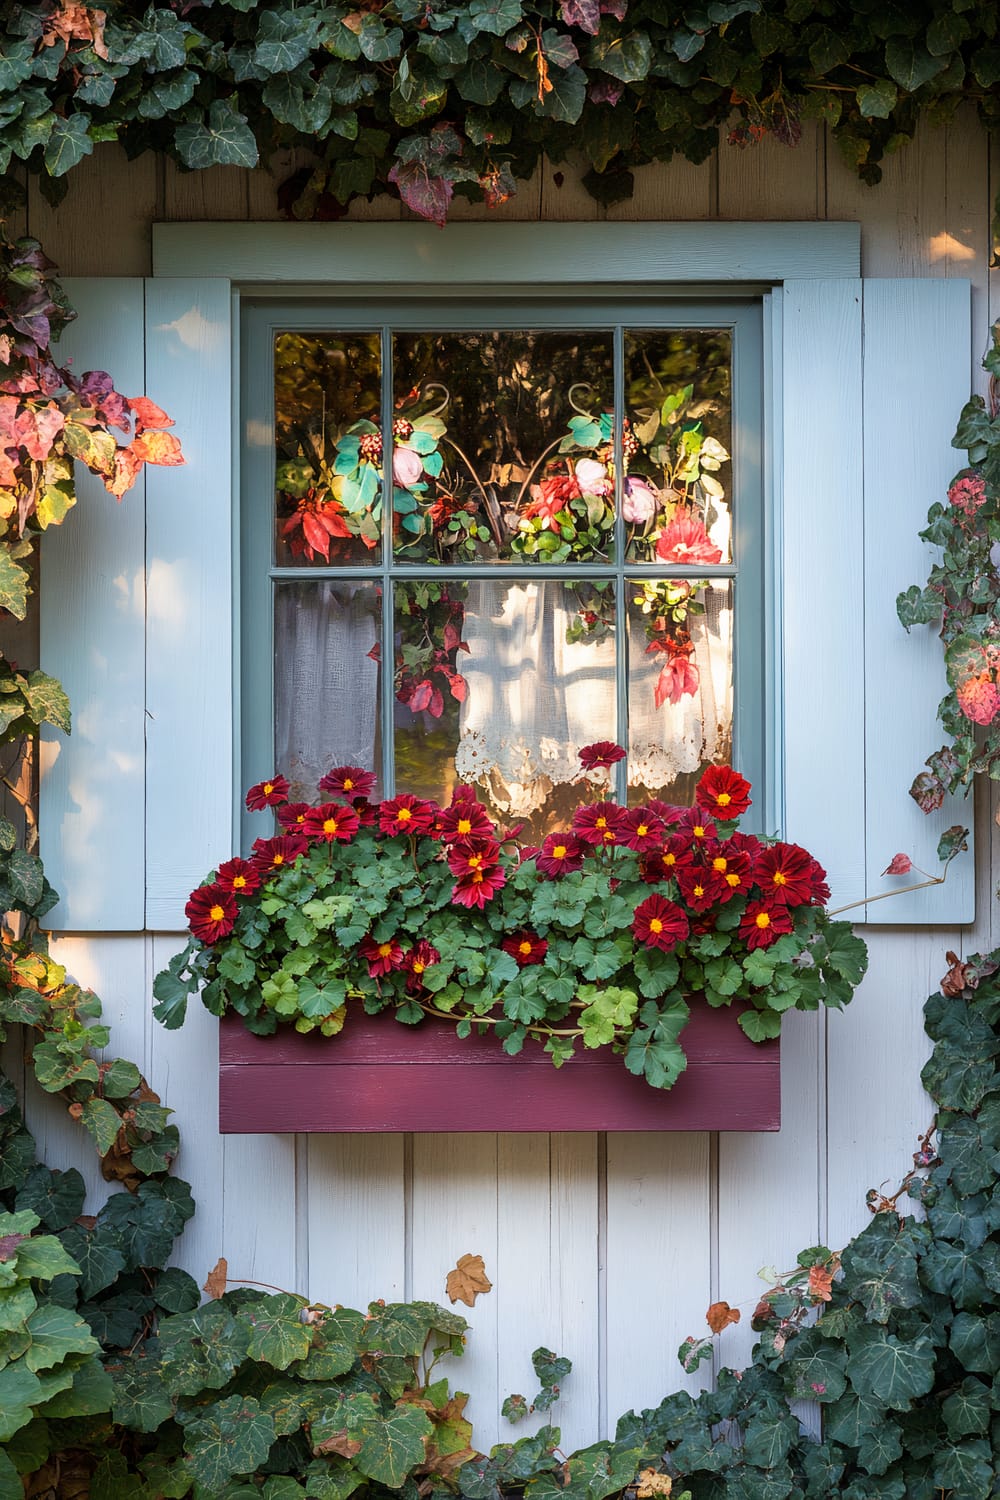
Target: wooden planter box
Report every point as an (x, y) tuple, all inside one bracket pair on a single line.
[(382, 1076)]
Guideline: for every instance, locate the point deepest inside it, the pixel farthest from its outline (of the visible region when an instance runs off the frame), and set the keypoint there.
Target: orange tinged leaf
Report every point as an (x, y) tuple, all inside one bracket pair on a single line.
[(820, 1283), (650, 1482), (468, 1280), (158, 448), (720, 1315), (218, 1276), (148, 414)]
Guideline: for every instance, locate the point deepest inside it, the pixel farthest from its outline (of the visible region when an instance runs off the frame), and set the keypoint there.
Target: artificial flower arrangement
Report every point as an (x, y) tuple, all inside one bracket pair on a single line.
[(603, 936)]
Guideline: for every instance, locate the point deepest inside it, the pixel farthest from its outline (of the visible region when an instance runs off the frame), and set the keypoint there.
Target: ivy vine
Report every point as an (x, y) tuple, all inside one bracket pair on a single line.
[(429, 98)]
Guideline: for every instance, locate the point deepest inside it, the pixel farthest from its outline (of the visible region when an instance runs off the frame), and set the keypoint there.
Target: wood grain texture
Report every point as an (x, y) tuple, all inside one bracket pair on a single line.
[(189, 639), (91, 627), (213, 193), (782, 182), (103, 227), (916, 378), (666, 191), (357, 1219)]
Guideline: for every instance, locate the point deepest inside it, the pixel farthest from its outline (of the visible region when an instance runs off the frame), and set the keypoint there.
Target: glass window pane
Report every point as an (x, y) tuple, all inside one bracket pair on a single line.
[(680, 684), (503, 446), (678, 487), (326, 680), (328, 461), (534, 689)]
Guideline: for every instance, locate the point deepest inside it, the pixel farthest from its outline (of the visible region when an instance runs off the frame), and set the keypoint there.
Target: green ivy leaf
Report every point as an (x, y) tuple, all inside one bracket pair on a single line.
[(495, 16), (232, 1437), (68, 143), (893, 1370), (277, 1335), (225, 139)]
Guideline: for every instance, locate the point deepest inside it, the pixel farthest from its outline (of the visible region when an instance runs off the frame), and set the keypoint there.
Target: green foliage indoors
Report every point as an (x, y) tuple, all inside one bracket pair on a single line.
[(433, 98)]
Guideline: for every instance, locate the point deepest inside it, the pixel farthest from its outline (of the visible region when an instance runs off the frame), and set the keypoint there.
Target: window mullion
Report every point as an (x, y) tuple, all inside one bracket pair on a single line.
[(621, 617), (388, 650)]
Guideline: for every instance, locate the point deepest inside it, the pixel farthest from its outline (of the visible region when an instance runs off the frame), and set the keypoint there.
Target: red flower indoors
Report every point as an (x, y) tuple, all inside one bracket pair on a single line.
[(211, 912), (660, 923), (267, 793), (526, 947), (271, 855), (420, 957), (331, 822), (723, 792), (598, 822), (602, 753), (238, 876), (552, 496), (406, 814), (761, 925), (560, 853), (685, 540), (348, 782), (784, 874), (382, 957)]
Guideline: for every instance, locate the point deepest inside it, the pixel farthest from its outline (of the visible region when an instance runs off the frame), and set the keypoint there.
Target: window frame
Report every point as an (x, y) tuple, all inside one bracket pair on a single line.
[(508, 307)]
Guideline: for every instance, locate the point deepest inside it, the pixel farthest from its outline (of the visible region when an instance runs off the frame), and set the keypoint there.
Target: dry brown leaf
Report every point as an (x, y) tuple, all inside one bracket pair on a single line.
[(468, 1280), (953, 982), (720, 1315), (650, 1482), (218, 1276), (340, 1443)]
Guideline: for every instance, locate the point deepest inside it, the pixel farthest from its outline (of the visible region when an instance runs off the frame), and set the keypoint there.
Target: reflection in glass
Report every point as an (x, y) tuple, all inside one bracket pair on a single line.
[(676, 444), (680, 684), (328, 459), (326, 680), (533, 690), (503, 446)]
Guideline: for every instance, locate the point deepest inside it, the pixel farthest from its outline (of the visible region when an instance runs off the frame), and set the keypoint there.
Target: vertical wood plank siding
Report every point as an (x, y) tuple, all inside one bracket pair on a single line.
[(572, 1229)]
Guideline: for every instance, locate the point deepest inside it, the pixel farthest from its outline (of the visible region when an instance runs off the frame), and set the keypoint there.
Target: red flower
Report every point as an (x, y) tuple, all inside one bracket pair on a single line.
[(382, 957), (348, 782), (238, 876), (685, 540), (641, 830), (784, 874), (665, 863), (820, 889), (267, 793), (367, 812), (724, 792), (700, 887), (406, 814), (473, 855), (293, 814), (333, 821), (761, 924), (463, 820), (734, 869), (602, 753), (270, 855), (696, 824), (560, 853), (668, 813), (659, 923), (420, 957), (552, 496), (526, 947), (211, 912), (478, 887), (598, 822)]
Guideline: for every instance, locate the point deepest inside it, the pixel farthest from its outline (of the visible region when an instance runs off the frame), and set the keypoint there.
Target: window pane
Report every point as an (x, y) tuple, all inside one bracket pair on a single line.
[(326, 680), (680, 684), (534, 687), (503, 446), (328, 474), (678, 488)]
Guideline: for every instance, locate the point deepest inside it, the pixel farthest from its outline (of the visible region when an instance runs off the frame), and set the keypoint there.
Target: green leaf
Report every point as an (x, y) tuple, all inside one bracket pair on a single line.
[(56, 1332), (965, 1470), (68, 143), (103, 1121), (893, 1370), (390, 1447), (910, 64), (48, 701), (14, 582), (42, 1257), (877, 101), (495, 16), (232, 1437), (90, 1394), (97, 1256), (225, 139), (277, 1335)]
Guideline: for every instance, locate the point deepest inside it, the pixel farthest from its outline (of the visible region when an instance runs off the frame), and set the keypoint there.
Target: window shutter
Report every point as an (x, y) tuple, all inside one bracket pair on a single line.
[(91, 626), (189, 629), (874, 375)]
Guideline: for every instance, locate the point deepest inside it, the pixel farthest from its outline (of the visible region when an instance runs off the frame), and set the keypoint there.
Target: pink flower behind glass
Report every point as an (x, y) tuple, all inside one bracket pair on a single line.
[(592, 477), (638, 502), (685, 540), (407, 466)]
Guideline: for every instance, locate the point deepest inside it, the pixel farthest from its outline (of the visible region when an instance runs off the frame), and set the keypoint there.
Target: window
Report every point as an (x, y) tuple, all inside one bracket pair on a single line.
[(551, 509)]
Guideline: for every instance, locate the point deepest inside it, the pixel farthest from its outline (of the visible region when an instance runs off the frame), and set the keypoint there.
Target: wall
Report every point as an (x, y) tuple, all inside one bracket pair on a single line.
[(606, 1250)]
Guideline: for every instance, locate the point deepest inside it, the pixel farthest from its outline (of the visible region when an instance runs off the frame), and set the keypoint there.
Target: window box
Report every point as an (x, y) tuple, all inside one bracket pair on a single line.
[(382, 1076)]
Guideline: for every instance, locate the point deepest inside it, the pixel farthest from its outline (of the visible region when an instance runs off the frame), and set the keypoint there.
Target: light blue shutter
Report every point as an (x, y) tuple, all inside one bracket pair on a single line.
[(92, 617), (137, 622), (874, 376)]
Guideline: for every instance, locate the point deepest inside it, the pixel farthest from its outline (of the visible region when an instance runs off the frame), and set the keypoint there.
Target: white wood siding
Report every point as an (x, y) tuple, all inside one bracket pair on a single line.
[(571, 1227)]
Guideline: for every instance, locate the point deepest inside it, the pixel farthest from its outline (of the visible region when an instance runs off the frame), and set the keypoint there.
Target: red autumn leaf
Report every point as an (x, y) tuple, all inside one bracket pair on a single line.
[(900, 864), (720, 1315), (316, 534), (421, 696), (148, 414), (459, 687), (436, 705), (820, 1283), (158, 448)]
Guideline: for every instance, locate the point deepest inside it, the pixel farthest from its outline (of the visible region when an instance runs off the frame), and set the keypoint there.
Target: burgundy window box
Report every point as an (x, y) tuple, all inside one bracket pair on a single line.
[(382, 1076)]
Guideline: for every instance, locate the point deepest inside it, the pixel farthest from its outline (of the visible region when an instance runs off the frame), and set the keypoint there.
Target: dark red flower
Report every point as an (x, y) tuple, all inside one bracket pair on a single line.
[(663, 864), (763, 924), (293, 814), (700, 887), (270, 855), (382, 957), (465, 819), (348, 782), (478, 887), (641, 830), (723, 792), (696, 824), (472, 855), (784, 874), (526, 947), (238, 876), (406, 814), (734, 868), (420, 957), (331, 822), (211, 912), (267, 793), (746, 843), (602, 753), (560, 853), (598, 822), (367, 812), (820, 889), (660, 923), (668, 813)]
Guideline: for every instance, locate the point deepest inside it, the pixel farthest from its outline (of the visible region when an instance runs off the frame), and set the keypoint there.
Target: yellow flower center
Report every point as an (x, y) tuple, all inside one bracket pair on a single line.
[(268, 788), (762, 919), (384, 949), (723, 799), (330, 825), (403, 815), (656, 925), (216, 913), (670, 859), (475, 860), (642, 830), (719, 864), (478, 877), (239, 881), (699, 891), (279, 859), (602, 823), (780, 878), (733, 880), (464, 826), (559, 852), (698, 831), (348, 784), (418, 966)]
